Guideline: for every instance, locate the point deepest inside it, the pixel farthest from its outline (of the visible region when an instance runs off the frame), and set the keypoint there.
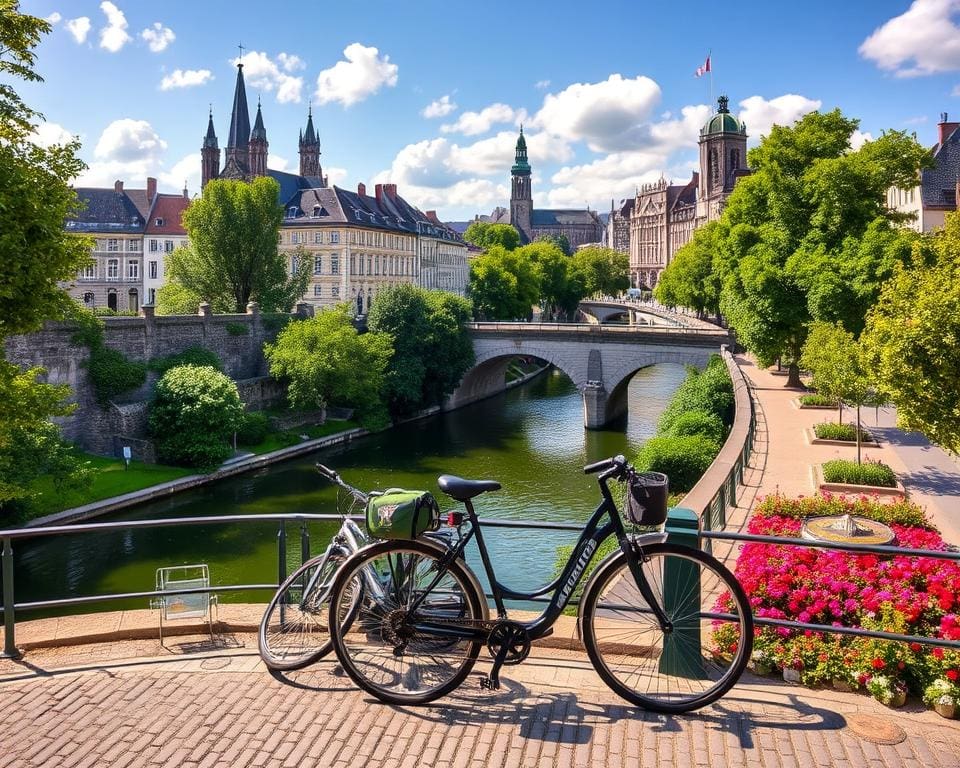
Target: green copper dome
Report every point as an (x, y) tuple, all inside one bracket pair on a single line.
[(723, 121), (520, 163)]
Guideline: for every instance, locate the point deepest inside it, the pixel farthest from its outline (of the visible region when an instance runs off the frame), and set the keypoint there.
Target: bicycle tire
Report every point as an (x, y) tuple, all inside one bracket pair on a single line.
[(651, 667), (383, 655), (302, 637)]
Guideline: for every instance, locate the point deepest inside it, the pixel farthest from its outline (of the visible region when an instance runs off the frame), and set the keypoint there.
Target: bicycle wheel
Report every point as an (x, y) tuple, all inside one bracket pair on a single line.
[(689, 665), (381, 649), (294, 631)]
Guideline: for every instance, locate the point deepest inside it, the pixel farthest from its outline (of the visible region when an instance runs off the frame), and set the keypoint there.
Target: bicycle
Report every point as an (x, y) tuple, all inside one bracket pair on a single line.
[(293, 631), (644, 615)]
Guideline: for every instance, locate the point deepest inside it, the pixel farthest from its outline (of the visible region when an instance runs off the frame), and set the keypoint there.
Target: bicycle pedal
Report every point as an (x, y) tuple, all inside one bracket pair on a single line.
[(488, 684)]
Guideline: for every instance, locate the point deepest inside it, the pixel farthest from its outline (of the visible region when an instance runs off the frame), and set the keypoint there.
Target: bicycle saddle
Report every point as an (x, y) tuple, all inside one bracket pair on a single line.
[(461, 490)]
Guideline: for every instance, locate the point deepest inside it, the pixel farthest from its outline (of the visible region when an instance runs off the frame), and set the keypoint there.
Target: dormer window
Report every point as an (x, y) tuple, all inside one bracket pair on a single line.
[(292, 212), (158, 222), (316, 211)]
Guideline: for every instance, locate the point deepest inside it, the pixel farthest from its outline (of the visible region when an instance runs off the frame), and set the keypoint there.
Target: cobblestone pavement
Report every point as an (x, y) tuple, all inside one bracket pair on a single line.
[(73, 707)]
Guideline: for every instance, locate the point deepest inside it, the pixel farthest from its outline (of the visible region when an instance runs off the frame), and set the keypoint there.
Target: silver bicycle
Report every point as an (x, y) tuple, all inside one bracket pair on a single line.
[(294, 630)]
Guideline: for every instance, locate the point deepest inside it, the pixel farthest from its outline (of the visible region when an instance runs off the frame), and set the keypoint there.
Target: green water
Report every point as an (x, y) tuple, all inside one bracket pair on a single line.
[(531, 439)]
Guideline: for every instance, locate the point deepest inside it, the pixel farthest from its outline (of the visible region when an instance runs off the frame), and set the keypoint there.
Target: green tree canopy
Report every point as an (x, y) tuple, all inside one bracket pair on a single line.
[(485, 235), (504, 285), (324, 360), (561, 241), (602, 270), (561, 285), (690, 280), (913, 337), (232, 257), (432, 349)]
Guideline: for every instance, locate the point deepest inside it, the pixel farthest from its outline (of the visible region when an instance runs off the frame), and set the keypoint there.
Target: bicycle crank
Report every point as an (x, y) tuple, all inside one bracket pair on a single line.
[(508, 643)]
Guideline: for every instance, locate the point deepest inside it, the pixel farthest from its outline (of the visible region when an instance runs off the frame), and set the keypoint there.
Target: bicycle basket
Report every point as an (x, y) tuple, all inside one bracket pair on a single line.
[(647, 498), (400, 514)]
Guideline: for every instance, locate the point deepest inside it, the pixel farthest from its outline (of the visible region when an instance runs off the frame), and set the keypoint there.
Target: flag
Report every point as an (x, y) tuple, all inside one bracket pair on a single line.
[(704, 69)]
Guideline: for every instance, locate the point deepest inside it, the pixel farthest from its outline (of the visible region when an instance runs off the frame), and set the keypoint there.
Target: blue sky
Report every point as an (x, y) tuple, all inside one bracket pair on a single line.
[(430, 94)]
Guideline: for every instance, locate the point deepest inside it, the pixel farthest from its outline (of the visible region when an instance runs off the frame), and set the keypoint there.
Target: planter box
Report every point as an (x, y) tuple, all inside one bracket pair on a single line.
[(802, 407), (898, 492), (812, 439)]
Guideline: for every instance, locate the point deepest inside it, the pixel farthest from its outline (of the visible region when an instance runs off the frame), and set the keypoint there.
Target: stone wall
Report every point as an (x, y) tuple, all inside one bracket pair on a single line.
[(237, 339)]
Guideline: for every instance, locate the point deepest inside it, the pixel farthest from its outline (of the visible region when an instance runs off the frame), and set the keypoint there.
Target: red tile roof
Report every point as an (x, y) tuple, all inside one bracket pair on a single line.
[(168, 209)]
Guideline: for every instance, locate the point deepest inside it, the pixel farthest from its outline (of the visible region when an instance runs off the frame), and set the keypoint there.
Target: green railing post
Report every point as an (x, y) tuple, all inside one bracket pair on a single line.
[(681, 655), (304, 542), (9, 620)]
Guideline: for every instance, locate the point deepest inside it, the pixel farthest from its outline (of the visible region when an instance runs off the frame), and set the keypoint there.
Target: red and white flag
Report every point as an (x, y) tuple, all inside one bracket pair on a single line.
[(701, 71)]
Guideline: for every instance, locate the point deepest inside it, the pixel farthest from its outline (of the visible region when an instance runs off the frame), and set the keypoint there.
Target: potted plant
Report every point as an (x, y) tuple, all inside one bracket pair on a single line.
[(887, 690), (941, 694)]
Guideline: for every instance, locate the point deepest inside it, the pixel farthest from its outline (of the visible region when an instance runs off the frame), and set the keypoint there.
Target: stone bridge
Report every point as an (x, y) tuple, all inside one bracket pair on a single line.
[(599, 359)]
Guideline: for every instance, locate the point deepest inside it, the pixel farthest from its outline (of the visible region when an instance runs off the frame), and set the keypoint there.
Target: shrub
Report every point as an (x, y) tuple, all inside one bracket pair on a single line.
[(832, 431), (253, 429), (815, 399), (196, 355), (112, 374), (698, 423), (900, 512), (237, 329), (710, 391), (193, 415), (682, 459), (868, 473)]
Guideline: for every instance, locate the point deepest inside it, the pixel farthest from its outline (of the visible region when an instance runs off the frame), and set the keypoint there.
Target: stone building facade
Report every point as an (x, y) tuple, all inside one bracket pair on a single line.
[(664, 216), (443, 256), (618, 226), (163, 234), (938, 188)]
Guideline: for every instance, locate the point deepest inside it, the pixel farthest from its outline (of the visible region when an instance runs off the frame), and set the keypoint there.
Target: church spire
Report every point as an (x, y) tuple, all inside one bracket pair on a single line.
[(310, 136), (258, 146), (520, 163), (239, 134), (209, 154), (259, 131), (310, 150), (210, 140)]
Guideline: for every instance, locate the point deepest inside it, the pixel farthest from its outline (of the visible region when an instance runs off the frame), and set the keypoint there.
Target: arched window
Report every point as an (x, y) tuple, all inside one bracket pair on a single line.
[(112, 300), (714, 168), (88, 298), (734, 159)]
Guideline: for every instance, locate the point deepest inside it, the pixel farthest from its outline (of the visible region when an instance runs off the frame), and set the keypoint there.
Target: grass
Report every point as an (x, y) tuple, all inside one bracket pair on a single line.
[(869, 473), (832, 431), (277, 440), (815, 399), (110, 479)]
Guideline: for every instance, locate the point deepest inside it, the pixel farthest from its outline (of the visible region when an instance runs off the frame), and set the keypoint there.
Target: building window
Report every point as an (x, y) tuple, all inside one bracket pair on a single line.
[(353, 264), (88, 298), (294, 265), (133, 246), (113, 269), (154, 246), (316, 211), (734, 159), (89, 272), (112, 300), (158, 222), (317, 265), (152, 270), (335, 291), (318, 290), (334, 238), (152, 296), (714, 168), (318, 237), (292, 212), (134, 300), (113, 244), (168, 246), (133, 269), (334, 263)]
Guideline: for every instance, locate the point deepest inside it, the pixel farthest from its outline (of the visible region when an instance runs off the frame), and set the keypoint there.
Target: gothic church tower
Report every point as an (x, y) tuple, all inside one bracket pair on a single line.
[(258, 146), (521, 195), (209, 154), (310, 150)]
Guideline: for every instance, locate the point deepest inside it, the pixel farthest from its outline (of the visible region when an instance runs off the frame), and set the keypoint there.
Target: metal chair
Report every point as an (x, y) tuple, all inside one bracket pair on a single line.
[(193, 605)]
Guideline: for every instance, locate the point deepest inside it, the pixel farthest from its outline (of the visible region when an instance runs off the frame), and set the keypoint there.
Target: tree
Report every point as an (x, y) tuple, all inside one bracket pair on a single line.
[(504, 285), (194, 412), (19, 35), (689, 279), (485, 235), (912, 337), (232, 257), (561, 241), (787, 226), (561, 286), (431, 347), (603, 271), (325, 361), (174, 299)]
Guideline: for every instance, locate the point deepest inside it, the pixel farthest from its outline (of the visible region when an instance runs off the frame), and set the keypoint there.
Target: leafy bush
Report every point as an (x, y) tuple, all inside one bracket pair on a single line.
[(253, 429), (900, 512), (190, 356), (237, 329), (815, 399), (710, 391), (868, 473), (832, 431), (194, 413), (112, 374), (698, 423), (682, 459)]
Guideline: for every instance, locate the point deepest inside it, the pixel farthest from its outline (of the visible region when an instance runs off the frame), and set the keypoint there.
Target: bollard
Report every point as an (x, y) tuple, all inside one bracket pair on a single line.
[(681, 655), (9, 620)]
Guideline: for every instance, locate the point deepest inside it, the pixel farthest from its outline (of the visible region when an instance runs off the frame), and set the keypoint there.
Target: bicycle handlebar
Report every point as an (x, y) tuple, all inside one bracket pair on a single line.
[(618, 462), (334, 477)]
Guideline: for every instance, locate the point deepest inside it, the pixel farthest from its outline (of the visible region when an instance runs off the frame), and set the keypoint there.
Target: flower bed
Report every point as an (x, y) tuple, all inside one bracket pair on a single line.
[(830, 430), (908, 595), (813, 400), (866, 473)]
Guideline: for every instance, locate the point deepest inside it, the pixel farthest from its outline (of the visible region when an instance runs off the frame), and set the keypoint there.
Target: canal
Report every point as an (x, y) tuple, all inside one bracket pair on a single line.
[(531, 439)]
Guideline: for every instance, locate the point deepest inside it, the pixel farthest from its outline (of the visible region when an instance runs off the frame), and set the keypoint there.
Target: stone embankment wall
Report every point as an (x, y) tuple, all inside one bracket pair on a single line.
[(237, 339)]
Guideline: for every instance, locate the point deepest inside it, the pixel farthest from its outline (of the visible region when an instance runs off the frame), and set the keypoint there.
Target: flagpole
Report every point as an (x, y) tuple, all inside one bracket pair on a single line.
[(710, 59)]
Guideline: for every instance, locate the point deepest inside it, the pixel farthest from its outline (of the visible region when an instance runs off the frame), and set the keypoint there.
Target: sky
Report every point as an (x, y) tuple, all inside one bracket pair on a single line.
[(430, 95)]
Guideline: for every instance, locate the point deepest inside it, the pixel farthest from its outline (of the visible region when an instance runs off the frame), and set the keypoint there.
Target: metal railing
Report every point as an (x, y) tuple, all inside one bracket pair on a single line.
[(593, 329)]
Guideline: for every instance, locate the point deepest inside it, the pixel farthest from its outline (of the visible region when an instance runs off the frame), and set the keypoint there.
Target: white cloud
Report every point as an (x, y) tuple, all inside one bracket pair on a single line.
[(439, 108), (760, 114), (542, 84), (495, 154), (113, 36), (158, 37), (290, 62), (185, 172), (48, 134), (955, 91), (472, 123), (923, 40), (260, 71), (859, 138), (54, 18), (609, 115), (363, 73), (670, 135), (129, 140), (79, 28), (335, 175), (615, 176), (278, 163), (185, 78)]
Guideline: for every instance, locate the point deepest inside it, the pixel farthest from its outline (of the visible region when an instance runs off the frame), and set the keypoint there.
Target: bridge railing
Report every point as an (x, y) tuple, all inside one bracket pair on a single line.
[(591, 329)]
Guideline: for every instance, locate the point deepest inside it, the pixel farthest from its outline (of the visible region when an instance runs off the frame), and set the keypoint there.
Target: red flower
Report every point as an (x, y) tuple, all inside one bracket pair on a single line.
[(937, 653), (878, 663), (952, 675), (901, 665), (915, 647)]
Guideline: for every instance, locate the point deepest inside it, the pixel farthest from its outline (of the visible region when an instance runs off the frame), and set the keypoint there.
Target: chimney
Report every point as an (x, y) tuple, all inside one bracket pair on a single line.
[(945, 128), (432, 215), (390, 190), (378, 192), (151, 188), (362, 189), (118, 186)]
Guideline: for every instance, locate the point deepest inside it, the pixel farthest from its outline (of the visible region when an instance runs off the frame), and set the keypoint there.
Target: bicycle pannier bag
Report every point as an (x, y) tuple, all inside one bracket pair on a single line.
[(400, 514), (647, 498)]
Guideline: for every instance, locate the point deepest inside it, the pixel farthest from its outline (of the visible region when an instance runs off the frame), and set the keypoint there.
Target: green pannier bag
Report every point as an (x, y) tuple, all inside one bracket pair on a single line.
[(400, 514)]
